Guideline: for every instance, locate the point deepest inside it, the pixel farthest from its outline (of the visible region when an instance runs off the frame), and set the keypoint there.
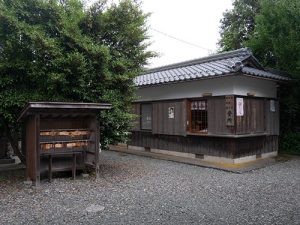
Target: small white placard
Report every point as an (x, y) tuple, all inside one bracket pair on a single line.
[(171, 112), (239, 106), (272, 106)]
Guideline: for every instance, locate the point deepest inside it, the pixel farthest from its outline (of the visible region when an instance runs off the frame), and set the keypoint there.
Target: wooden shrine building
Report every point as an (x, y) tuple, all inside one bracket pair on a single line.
[(221, 108), (60, 136)]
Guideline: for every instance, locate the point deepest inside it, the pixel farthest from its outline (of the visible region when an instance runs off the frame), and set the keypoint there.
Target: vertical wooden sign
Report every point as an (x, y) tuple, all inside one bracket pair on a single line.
[(229, 110)]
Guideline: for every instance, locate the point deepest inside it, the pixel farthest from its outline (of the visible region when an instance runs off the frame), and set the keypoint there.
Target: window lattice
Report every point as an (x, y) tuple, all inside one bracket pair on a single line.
[(146, 116), (198, 116)]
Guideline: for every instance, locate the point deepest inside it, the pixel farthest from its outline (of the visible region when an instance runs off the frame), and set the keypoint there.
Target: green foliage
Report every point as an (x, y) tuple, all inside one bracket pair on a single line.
[(271, 29), (276, 38), (238, 24), (57, 50), (276, 43), (290, 143)]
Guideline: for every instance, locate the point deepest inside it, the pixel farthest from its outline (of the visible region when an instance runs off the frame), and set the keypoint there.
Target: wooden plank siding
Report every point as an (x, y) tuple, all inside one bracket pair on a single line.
[(213, 146), (161, 124), (216, 116), (189, 144), (171, 134), (257, 117), (272, 119), (73, 123), (253, 120), (255, 145)]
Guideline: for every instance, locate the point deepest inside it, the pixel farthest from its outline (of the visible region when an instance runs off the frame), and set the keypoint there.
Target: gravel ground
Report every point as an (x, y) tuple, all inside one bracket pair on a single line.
[(139, 190)]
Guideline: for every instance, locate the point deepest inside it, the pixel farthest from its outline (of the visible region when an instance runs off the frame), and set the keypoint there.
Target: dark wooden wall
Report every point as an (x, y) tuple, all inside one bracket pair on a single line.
[(189, 144), (161, 124), (253, 120), (171, 134), (255, 145), (92, 153), (214, 146), (257, 118), (272, 119), (216, 117), (64, 123)]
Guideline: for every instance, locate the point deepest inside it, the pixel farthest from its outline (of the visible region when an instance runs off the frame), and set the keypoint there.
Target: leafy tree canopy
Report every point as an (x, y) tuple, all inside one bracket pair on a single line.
[(271, 29), (276, 37), (59, 50), (276, 43), (237, 24)]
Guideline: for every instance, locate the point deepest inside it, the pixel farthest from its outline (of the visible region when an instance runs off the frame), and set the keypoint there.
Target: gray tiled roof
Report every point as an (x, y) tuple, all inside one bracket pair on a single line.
[(262, 73), (213, 66)]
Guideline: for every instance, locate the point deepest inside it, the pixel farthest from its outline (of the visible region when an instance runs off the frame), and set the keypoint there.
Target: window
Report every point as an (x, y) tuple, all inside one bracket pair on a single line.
[(198, 116), (146, 116)]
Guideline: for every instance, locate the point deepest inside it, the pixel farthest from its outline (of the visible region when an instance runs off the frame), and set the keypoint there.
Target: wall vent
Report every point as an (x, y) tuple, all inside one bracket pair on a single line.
[(199, 156)]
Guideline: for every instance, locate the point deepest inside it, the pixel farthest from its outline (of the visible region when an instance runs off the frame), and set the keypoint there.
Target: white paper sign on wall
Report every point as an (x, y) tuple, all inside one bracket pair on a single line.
[(171, 112), (272, 106), (239, 106)]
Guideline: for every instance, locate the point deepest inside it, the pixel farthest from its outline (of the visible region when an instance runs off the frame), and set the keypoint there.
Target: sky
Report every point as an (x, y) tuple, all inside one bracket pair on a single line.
[(195, 22)]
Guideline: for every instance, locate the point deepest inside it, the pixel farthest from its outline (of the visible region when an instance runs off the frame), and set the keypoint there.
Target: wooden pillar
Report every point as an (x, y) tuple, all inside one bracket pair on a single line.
[(23, 140), (32, 149), (74, 167), (50, 168), (97, 140), (37, 147)]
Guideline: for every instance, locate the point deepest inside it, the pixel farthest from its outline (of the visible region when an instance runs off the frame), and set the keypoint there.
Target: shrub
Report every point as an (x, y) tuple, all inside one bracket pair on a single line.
[(290, 143)]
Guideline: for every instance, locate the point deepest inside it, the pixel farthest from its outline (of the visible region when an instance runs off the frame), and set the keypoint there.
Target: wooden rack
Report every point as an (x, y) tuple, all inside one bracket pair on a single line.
[(60, 137)]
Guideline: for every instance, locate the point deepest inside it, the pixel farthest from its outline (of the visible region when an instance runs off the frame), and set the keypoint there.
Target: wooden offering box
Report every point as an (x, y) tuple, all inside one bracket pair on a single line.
[(60, 137)]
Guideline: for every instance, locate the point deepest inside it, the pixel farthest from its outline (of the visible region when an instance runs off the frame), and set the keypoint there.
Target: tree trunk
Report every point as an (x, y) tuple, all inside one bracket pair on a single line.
[(13, 140)]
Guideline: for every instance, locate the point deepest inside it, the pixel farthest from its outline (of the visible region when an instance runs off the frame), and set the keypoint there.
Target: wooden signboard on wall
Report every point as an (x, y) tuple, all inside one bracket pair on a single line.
[(229, 110)]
